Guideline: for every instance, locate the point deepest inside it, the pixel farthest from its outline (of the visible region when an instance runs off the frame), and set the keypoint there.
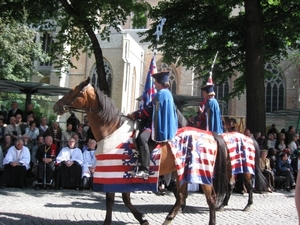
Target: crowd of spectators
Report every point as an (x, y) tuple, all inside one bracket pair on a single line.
[(280, 156), (43, 152)]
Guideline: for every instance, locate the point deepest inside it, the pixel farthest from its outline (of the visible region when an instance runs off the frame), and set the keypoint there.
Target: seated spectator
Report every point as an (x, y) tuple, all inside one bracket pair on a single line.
[(285, 169), (2, 130), (69, 170), (55, 132), (20, 123), (281, 146), (89, 164), (293, 145), (16, 164), (46, 156), (265, 167), (296, 163), (33, 161), (81, 135), (1, 163), (8, 142), (43, 126), (272, 156), (260, 139), (66, 135), (31, 134), (12, 129), (271, 142)]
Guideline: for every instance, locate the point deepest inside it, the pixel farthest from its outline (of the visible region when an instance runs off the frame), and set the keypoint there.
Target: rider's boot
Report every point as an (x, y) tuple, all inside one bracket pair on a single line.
[(143, 170)]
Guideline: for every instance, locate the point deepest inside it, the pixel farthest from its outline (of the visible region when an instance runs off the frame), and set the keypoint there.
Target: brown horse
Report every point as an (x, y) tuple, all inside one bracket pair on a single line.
[(105, 118)]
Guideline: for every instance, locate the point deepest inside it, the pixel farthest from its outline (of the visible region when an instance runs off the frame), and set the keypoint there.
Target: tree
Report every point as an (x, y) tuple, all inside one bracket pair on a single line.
[(18, 51), (247, 34), (81, 24)]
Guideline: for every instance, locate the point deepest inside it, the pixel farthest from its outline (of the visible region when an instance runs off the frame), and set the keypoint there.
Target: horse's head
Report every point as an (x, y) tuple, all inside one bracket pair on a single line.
[(74, 99)]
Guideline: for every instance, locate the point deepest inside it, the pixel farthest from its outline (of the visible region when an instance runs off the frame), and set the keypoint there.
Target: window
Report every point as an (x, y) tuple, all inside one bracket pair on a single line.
[(172, 78), (222, 92), (46, 40), (274, 89)]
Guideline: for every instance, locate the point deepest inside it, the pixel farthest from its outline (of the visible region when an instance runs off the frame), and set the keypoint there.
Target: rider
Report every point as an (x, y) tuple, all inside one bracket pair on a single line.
[(164, 123), (212, 109)]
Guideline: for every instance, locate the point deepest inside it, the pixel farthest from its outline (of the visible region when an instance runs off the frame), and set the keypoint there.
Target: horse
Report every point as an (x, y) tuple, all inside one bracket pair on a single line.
[(261, 183), (105, 119)]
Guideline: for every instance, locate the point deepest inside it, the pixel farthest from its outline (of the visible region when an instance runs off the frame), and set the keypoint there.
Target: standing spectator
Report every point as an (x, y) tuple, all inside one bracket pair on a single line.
[(43, 126), (74, 121), (46, 155), (66, 135), (13, 111), (289, 135), (29, 112), (55, 133), (16, 164), (89, 133), (273, 129), (12, 129), (272, 156), (3, 113), (69, 169), (89, 164)]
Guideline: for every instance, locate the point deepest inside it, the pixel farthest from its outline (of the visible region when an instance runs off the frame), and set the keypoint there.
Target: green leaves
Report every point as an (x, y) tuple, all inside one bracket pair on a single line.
[(18, 51)]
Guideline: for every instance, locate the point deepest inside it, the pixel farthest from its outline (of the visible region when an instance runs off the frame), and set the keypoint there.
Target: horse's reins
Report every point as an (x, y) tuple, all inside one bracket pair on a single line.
[(66, 107)]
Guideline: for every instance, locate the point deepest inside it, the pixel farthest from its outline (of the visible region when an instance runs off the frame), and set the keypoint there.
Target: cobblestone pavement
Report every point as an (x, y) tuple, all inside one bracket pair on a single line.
[(47, 207)]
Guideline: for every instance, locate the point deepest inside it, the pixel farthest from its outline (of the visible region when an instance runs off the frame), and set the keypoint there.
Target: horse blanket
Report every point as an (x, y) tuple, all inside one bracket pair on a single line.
[(194, 152), (241, 152)]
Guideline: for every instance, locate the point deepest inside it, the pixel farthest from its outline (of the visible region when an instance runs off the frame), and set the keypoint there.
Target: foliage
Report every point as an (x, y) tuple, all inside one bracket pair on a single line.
[(18, 50), (196, 30)]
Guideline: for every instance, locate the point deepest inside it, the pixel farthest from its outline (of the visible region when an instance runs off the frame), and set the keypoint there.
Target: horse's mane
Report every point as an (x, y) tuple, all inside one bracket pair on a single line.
[(108, 112)]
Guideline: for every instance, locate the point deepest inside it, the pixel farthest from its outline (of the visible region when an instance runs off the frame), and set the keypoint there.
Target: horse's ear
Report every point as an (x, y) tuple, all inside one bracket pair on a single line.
[(86, 82)]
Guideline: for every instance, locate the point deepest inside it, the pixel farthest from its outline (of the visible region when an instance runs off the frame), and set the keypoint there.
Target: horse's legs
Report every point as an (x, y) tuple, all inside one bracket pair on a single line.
[(137, 214), (228, 194), (210, 196), (181, 196), (110, 199), (248, 181)]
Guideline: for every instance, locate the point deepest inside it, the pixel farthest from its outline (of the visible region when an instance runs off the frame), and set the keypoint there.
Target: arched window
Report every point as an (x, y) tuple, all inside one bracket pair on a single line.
[(222, 91), (108, 71), (274, 89), (172, 78)]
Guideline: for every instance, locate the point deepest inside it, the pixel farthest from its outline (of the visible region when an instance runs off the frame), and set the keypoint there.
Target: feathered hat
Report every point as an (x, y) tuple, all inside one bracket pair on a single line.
[(209, 87)]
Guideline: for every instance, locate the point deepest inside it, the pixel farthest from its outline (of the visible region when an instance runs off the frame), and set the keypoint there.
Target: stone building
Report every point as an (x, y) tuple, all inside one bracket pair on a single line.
[(127, 62)]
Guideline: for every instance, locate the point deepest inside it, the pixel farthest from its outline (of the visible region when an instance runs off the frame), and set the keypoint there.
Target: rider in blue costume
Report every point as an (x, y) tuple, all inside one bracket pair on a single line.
[(163, 125), (212, 110)]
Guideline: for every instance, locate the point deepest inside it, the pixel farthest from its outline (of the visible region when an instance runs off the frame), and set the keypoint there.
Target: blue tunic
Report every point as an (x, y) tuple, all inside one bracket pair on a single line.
[(162, 112), (213, 116)]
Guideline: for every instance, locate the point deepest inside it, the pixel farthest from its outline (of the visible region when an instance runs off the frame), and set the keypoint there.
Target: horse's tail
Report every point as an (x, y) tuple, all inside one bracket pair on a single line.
[(220, 181), (261, 183)]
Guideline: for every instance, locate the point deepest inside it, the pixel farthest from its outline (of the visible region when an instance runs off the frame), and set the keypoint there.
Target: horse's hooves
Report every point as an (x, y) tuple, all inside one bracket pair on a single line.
[(220, 209), (246, 209), (145, 222), (167, 222)]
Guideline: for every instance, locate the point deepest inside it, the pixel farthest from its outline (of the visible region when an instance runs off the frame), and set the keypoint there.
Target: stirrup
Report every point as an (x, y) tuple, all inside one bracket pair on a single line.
[(140, 173)]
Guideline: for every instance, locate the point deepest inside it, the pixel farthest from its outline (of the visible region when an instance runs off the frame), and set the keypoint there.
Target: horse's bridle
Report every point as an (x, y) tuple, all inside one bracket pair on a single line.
[(66, 107)]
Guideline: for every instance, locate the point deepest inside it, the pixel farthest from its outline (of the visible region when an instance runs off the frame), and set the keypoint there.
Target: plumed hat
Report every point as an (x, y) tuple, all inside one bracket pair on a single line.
[(209, 87), (162, 77)]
